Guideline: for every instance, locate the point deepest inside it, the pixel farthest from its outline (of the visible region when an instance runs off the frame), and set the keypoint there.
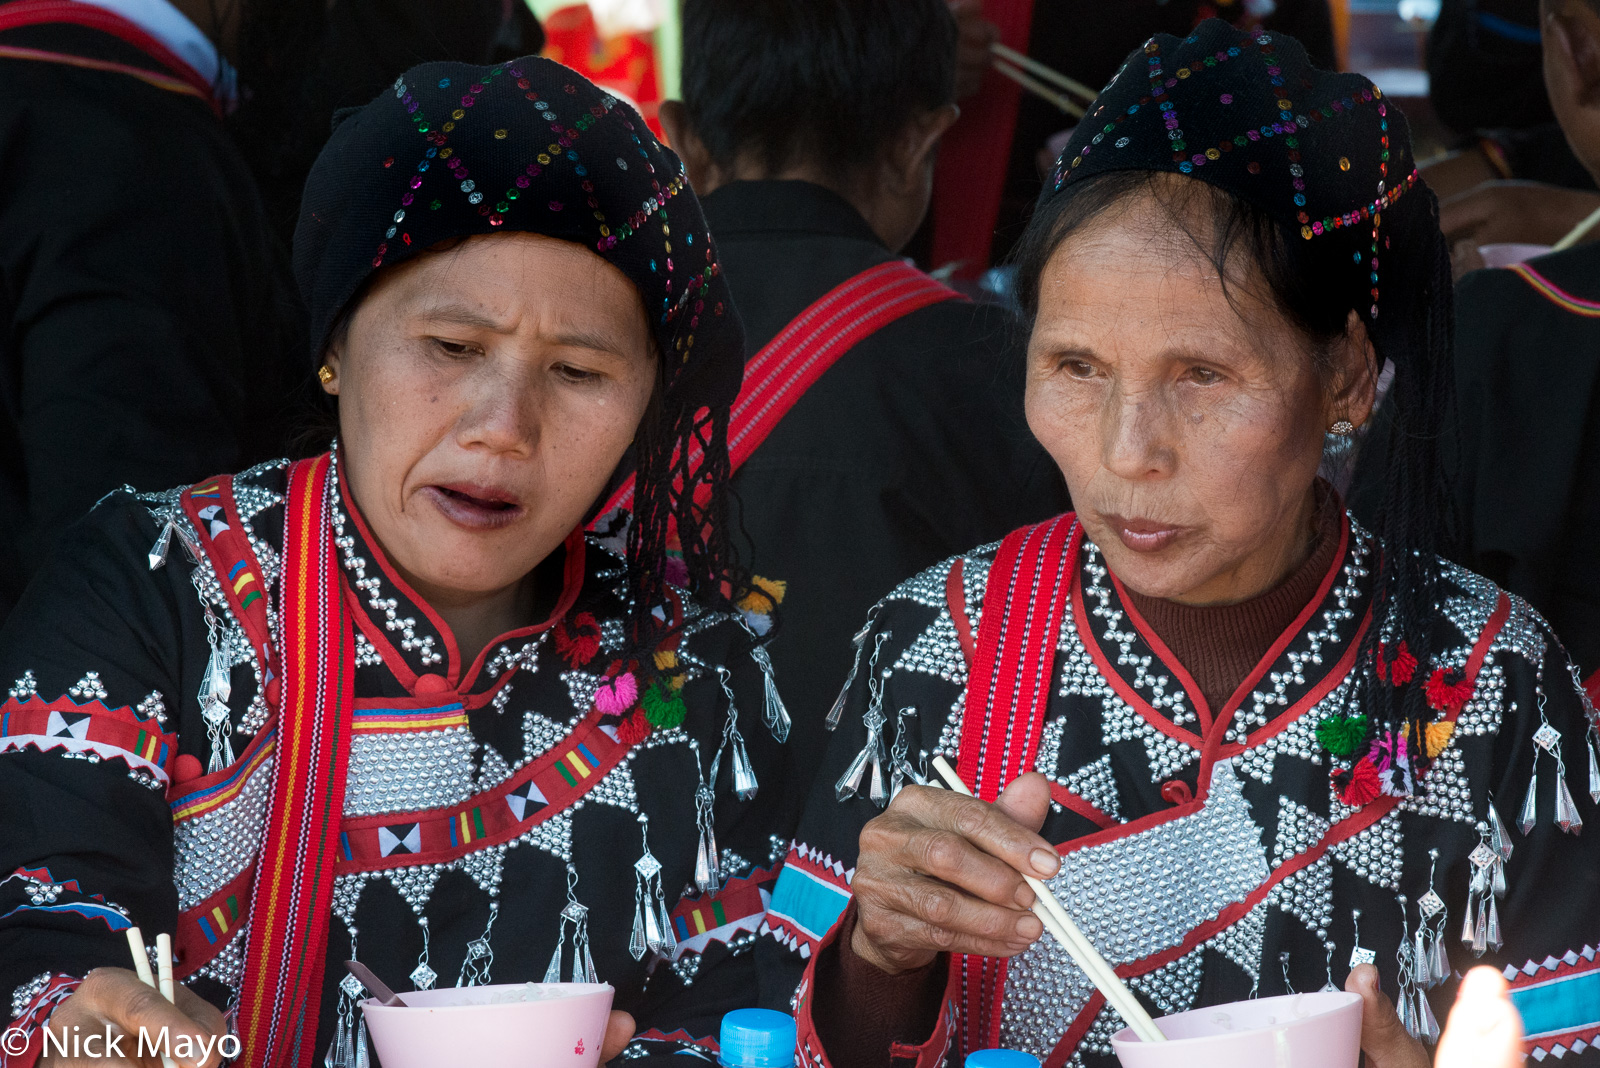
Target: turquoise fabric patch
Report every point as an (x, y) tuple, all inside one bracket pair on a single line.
[(1559, 1005), (807, 902)]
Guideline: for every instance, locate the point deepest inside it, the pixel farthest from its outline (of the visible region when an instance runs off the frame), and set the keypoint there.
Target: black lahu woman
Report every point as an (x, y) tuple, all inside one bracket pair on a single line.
[(1262, 745), (390, 702)]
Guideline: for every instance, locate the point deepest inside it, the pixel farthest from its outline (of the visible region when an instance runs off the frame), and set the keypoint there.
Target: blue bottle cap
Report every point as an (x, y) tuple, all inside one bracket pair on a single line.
[(1000, 1058), (757, 1038)]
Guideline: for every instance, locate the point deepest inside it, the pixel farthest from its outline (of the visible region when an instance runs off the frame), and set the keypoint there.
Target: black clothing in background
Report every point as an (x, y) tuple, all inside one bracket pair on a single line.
[(910, 447), (361, 48), (148, 328), (1540, 154), (1089, 39), (1528, 480), (1485, 67)]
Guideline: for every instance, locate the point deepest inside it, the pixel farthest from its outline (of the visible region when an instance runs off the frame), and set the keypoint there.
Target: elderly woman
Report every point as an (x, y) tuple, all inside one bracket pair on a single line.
[(1262, 745), (391, 703)]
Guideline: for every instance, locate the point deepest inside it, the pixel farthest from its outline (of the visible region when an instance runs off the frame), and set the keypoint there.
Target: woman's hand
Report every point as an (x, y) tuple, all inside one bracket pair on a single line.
[(939, 873), (115, 998), (619, 1032), (1384, 1038)]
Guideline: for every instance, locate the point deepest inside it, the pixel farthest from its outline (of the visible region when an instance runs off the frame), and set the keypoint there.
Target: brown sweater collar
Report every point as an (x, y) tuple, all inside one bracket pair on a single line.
[(1220, 645)]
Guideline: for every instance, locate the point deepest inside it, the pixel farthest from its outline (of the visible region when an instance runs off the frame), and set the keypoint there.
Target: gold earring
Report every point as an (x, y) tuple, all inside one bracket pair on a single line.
[(1342, 428), (324, 374)]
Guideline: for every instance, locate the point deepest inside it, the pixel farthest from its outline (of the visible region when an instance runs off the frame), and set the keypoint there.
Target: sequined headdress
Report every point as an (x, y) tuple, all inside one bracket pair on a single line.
[(454, 151)]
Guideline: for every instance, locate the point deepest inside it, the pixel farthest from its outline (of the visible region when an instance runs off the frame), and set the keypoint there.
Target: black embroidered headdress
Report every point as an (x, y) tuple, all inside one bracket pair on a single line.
[(453, 151), (1320, 163)]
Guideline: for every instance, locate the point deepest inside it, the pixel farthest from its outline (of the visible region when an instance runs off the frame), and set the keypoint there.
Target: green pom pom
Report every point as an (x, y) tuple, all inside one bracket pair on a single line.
[(1342, 735), (663, 707)]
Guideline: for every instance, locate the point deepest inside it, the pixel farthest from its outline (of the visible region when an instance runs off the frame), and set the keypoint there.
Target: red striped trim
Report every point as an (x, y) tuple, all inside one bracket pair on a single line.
[(191, 948), (1547, 289), (232, 560), (1009, 691), (294, 887), (117, 733), (788, 365), (185, 79)]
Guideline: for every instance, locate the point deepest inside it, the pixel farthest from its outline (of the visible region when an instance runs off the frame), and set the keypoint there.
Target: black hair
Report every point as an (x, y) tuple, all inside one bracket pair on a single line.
[(825, 81), (1316, 283)]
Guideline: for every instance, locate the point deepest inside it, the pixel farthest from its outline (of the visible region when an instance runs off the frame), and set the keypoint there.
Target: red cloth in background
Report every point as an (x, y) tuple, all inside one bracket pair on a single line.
[(623, 65), (975, 153)]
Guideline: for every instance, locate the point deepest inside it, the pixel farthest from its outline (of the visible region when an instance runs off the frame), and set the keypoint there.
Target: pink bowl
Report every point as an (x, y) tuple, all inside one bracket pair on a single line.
[(1510, 253), (559, 1025), (1292, 1031)]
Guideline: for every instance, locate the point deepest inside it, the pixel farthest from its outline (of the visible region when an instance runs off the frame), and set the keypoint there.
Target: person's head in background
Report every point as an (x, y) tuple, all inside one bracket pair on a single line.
[(852, 95), (1571, 35)]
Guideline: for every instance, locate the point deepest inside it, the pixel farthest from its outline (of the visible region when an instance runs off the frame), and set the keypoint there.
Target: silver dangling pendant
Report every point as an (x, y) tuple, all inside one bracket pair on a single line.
[(1469, 925), (1530, 803), (158, 551), (363, 1059), (898, 762), (1594, 769), (1432, 916), (1422, 954), (707, 876), (873, 753), (1497, 878), (744, 774), (479, 960), (423, 976), (1567, 817), (1283, 962), (1480, 933), (1408, 1012), (1441, 960), (334, 1058), (859, 641), (1327, 986), (1359, 954), (1499, 837), (776, 716), (652, 927), (215, 689), (1490, 919), (1427, 1021), (342, 1052), (576, 916), (1406, 974)]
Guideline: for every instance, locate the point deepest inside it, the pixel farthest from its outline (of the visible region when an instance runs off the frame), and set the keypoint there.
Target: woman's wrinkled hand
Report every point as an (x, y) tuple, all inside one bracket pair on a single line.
[(117, 999), (939, 872), (1384, 1039)]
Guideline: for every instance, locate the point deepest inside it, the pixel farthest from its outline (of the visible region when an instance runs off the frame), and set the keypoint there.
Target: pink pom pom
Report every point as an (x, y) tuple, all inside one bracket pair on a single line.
[(617, 694)]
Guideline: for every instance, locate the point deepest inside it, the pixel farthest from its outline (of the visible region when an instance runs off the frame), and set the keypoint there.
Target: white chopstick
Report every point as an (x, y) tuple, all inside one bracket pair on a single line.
[(1577, 233), (1060, 925), (1065, 103), (141, 967), (1039, 70)]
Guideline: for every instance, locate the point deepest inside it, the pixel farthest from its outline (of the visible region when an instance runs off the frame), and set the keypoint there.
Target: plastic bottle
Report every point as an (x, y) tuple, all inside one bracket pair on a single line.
[(757, 1038), (1000, 1058)]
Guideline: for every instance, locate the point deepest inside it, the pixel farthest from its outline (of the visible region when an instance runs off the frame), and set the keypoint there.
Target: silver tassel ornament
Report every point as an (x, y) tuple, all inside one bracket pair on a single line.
[(873, 754), (898, 757), (215, 689), (1499, 837), (1428, 1023), (1328, 986), (859, 641), (1530, 803), (1567, 817), (158, 551), (777, 717), (1490, 921), (1594, 769), (707, 873), (1407, 975), (576, 916), (363, 1059), (479, 961), (652, 927), (744, 773)]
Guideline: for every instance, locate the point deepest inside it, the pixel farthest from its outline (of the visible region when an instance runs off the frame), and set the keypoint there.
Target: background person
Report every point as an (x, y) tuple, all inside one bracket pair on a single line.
[(812, 127)]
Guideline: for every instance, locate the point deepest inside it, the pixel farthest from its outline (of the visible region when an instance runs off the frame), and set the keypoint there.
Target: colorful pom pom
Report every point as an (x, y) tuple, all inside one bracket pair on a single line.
[(1435, 736), (1342, 735), (663, 707), (634, 729), (617, 693), (1359, 785), (1404, 665), (764, 595), (1447, 694), (578, 639)]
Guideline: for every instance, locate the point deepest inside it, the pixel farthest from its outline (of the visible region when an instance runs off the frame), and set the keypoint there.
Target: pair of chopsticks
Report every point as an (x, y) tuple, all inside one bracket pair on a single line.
[(1041, 80), (1060, 925), (141, 965)]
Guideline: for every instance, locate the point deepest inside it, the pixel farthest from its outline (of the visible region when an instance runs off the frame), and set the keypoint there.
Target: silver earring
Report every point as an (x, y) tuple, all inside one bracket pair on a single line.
[(1342, 428)]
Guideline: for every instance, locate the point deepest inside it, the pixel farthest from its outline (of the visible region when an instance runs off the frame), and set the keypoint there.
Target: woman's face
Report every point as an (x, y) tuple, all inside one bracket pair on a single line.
[(1189, 429), (486, 394)]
